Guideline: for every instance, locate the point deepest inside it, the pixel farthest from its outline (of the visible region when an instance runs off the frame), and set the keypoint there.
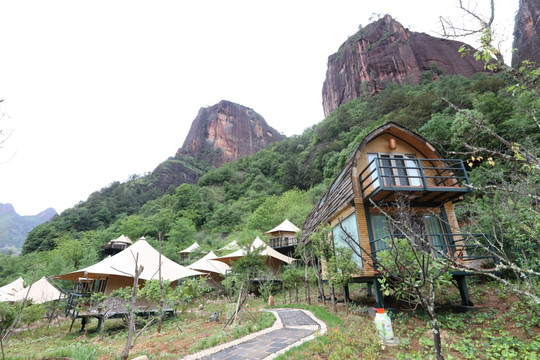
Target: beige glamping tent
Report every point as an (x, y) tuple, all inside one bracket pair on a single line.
[(214, 268), (233, 245), (40, 292), (273, 260), (4, 297), (184, 254), (13, 287), (118, 271)]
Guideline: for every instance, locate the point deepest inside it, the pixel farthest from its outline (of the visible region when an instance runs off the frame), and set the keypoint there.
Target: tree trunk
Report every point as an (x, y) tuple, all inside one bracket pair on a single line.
[(161, 301), (306, 276), (333, 296), (7, 336), (434, 322), (131, 327), (290, 296), (320, 284)]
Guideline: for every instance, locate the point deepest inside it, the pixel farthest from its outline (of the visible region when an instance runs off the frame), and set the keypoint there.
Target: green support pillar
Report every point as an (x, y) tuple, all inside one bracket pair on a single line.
[(379, 298), (346, 297), (463, 290)]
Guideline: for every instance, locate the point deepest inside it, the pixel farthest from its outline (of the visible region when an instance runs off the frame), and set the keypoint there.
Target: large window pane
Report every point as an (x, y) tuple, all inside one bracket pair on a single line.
[(380, 231), (435, 232), (373, 170), (348, 227), (412, 169)]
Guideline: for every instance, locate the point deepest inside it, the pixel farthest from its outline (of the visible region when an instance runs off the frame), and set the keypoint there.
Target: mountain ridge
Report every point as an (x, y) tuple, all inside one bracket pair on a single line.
[(14, 227)]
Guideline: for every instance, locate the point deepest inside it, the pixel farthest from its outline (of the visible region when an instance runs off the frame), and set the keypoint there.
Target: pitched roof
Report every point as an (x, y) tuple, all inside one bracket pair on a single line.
[(41, 291), (4, 297), (190, 249), (257, 243), (233, 245), (13, 286), (209, 264), (123, 264), (285, 226), (122, 239)]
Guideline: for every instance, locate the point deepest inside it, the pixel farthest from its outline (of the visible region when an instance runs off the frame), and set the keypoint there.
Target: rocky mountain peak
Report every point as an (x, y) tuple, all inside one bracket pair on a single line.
[(527, 33), (386, 52), (226, 132)]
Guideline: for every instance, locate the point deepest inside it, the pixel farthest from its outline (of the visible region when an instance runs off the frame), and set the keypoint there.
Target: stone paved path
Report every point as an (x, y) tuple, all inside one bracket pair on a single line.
[(292, 327)]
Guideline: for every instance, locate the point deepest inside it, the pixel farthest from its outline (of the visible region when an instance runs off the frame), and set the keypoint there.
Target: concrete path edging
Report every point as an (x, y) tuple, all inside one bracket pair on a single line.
[(319, 329), (322, 330)]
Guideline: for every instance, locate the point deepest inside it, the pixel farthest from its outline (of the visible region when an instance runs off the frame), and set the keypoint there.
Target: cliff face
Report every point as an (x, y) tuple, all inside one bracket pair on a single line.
[(527, 33), (225, 132), (386, 52)]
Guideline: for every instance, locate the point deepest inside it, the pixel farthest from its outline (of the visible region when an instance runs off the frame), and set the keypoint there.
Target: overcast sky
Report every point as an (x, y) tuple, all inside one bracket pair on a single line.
[(96, 91)]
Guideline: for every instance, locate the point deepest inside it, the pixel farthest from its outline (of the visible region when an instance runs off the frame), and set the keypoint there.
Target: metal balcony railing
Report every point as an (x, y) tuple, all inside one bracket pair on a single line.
[(385, 175), (73, 304), (473, 250), (280, 242)]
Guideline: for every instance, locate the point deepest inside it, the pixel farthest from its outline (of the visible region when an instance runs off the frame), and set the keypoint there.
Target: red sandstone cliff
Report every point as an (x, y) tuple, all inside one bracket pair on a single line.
[(385, 52), (225, 132), (527, 33)]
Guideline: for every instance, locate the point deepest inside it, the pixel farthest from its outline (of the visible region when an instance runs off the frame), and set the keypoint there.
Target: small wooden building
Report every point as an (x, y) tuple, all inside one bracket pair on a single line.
[(389, 163)]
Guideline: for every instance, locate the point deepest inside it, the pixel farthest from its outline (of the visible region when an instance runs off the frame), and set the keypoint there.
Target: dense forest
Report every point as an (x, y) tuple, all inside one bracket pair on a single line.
[(243, 199)]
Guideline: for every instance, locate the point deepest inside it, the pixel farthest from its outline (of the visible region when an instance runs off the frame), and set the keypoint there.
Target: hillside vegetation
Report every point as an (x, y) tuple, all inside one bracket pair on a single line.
[(245, 198)]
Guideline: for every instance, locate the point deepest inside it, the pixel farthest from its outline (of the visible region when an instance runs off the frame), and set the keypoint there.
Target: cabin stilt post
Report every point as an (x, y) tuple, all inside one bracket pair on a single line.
[(379, 298), (463, 290)]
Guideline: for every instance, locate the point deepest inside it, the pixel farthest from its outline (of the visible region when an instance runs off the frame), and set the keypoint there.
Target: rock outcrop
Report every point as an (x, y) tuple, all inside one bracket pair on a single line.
[(527, 33), (386, 52), (225, 132)]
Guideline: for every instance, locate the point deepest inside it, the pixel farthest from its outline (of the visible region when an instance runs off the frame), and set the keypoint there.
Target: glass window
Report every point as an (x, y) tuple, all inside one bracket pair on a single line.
[(434, 229), (395, 169), (342, 239), (413, 166), (380, 231), (372, 159)]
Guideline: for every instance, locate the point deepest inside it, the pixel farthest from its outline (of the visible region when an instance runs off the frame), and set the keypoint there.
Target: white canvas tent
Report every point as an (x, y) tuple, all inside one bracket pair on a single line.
[(4, 297), (40, 292), (13, 287), (233, 245), (285, 227), (190, 248), (208, 264), (273, 260), (118, 270)]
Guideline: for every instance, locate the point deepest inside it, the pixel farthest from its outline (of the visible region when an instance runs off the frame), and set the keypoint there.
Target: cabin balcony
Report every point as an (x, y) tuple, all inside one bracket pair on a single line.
[(282, 242), (421, 181), (462, 248)]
